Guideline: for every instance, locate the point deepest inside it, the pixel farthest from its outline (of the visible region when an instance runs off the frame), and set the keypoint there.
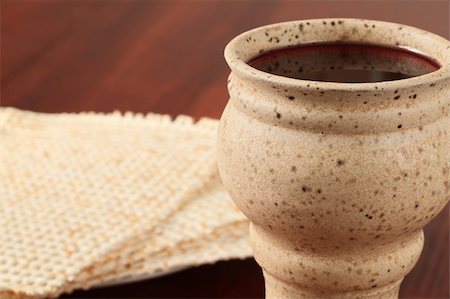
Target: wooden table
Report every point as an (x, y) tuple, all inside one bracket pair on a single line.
[(166, 57)]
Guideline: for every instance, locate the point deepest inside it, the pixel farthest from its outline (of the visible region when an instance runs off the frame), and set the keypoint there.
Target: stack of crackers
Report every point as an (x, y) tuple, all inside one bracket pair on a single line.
[(88, 199)]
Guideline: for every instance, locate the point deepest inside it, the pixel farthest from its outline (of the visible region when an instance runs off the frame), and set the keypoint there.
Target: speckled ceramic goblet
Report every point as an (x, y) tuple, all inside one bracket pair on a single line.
[(338, 179)]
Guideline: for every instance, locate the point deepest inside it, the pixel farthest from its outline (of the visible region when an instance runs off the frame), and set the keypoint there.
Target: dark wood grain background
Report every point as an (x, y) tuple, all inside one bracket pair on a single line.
[(166, 57)]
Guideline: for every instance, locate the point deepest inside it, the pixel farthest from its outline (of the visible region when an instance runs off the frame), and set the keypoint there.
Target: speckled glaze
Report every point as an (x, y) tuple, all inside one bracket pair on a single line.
[(338, 179)]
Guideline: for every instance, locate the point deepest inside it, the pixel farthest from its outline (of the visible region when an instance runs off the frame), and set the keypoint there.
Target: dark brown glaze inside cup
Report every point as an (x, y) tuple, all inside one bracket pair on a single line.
[(344, 62)]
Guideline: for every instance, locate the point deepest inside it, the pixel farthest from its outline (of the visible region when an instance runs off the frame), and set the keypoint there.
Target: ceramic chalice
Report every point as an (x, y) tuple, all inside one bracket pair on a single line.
[(338, 176)]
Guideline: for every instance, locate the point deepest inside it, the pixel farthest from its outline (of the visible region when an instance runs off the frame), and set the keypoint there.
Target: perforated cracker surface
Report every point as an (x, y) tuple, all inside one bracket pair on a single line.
[(76, 187)]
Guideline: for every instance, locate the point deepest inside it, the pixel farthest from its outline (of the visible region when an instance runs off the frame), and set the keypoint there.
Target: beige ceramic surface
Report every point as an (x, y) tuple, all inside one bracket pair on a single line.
[(338, 179)]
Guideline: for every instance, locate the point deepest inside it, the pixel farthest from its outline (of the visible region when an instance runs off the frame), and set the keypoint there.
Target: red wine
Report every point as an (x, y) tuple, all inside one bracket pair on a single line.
[(344, 62)]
